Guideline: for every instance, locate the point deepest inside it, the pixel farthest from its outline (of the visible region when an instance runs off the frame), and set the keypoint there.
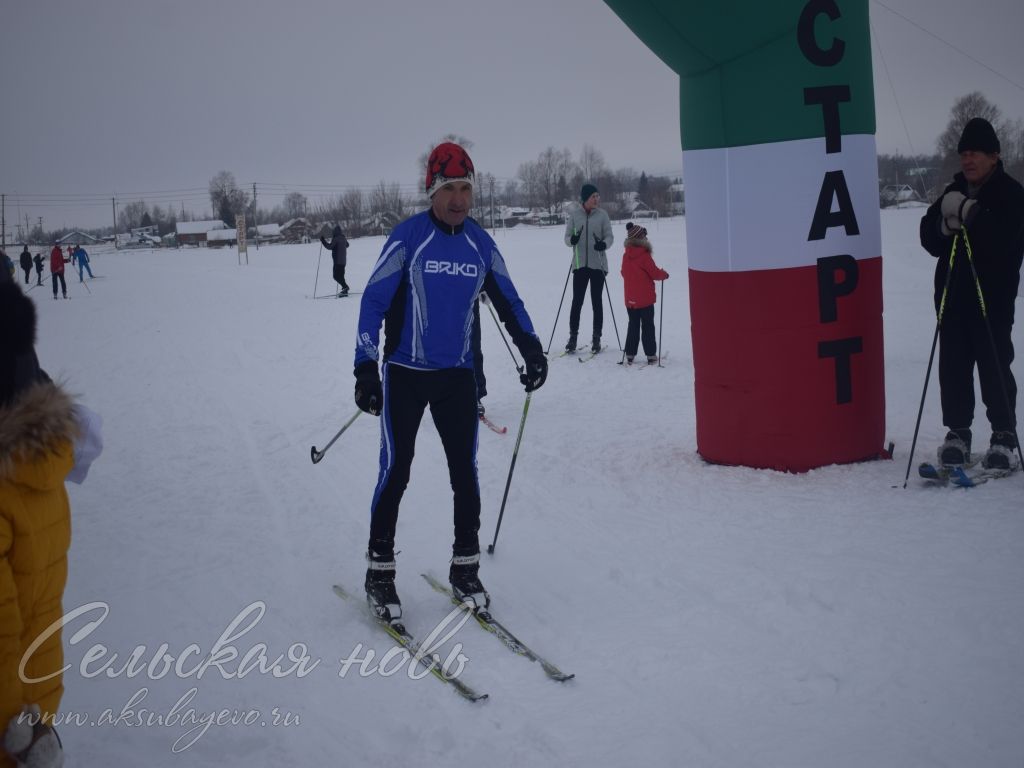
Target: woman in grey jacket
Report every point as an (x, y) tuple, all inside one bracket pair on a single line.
[(588, 231)]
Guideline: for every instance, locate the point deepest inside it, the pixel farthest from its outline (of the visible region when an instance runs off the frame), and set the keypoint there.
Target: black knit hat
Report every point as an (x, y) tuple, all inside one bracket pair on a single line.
[(979, 136), (587, 191)]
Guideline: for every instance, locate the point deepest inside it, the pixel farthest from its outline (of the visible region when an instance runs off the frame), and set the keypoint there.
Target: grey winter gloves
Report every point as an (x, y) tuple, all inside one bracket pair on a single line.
[(369, 393), (31, 743), (956, 208)]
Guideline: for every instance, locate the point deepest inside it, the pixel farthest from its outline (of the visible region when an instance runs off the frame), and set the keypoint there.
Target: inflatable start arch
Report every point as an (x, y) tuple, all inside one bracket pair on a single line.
[(782, 224)]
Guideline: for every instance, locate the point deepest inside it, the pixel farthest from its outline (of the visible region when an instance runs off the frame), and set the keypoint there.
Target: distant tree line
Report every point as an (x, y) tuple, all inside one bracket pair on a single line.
[(546, 183)]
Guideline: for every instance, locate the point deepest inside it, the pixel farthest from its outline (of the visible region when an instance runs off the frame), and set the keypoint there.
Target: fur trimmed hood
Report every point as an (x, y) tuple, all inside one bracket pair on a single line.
[(639, 242), (35, 424)]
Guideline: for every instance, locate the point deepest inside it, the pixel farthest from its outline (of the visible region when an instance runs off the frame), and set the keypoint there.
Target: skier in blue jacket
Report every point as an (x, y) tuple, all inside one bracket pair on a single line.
[(82, 258), (423, 289)]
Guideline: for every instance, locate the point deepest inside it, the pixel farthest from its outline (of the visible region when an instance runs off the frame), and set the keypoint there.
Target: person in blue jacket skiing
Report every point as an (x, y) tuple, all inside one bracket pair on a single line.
[(82, 258), (423, 289)]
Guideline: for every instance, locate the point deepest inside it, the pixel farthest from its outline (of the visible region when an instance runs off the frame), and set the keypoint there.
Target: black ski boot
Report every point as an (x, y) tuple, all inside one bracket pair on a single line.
[(465, 580), (595, 344), (1000, 454), (570, 346), (956, 450), (380, 589)]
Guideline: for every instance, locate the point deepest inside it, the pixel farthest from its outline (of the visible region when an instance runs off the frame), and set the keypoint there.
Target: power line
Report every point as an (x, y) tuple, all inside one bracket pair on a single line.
[(959, 50)]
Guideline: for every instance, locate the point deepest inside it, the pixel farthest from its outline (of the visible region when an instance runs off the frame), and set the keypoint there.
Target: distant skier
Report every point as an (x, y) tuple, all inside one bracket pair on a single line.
[(38, 261), (26, 264), (638, 275), (588, 231), (985, 205), (422, 289), (83, 262), (339, 250), (57, 270)]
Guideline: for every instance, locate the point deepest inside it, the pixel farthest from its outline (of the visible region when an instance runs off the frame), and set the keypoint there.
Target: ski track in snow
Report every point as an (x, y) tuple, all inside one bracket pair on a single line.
[(714, 616)]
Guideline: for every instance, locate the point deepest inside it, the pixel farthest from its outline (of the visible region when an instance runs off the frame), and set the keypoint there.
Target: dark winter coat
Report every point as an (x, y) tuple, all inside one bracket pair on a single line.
[(338, 247), (26, 260), (38, 259), (639, 273), (996, 232)]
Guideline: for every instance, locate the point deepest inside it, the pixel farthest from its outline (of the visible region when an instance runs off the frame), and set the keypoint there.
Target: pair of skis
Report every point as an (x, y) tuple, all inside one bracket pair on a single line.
[(484, 619), (960, 476)]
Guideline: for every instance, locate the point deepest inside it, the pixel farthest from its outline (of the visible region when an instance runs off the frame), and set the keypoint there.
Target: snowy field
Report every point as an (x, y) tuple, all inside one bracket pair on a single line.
[(713, 616)]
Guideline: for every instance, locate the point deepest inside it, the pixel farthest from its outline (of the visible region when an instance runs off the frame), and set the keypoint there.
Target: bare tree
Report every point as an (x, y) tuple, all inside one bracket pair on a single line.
[(386, 202), (552, 168), (352, 206), (130, 215), (226, 199), (592, 163), (295, 205)]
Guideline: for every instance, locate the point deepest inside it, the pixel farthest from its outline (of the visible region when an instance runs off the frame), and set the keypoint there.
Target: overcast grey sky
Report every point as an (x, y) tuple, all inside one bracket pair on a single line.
[(143, 99)]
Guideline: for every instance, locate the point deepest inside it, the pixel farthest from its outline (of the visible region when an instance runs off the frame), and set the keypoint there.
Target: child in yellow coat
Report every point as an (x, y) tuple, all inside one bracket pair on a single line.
[(39, 428)]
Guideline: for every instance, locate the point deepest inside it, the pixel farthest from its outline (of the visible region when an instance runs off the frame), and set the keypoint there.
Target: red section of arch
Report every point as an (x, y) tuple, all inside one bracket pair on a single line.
[(764, 396)]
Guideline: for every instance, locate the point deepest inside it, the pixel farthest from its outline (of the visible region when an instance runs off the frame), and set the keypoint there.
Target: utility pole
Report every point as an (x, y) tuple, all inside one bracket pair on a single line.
[(3, 221), (40, 229), (255, 220), (113, 208)]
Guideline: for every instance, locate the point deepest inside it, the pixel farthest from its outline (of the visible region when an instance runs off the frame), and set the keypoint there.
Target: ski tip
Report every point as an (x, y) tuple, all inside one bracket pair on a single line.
[(340, 592)]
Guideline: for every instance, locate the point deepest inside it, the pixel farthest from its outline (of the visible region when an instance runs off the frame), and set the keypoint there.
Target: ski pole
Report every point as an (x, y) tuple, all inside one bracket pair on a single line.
[(515, 362), (316, 455), (508, 482), (931, 355), (319, 255), (992, 341), (661, 321), (612, 311), (560, 301)]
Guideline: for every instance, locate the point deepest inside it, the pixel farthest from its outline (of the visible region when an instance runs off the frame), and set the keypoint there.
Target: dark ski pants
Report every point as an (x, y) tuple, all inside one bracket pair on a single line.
[(63, 285), (339, 276), (450, 394), (641, 323), (963, 343), (83, 265), (581, 278), (28, 274)]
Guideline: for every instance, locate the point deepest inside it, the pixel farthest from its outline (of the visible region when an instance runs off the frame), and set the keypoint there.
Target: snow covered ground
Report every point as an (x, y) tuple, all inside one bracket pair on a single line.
[(713, 616)]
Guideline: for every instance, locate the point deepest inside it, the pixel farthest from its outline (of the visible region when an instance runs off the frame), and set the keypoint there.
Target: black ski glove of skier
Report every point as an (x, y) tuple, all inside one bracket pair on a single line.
[(599, 245), (536, 373), (575, 238), (369, 393)]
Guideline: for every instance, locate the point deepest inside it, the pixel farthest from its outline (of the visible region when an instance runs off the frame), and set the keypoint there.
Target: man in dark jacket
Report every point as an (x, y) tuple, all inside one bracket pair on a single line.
[(26, 264), (339, 250), (979, 219)]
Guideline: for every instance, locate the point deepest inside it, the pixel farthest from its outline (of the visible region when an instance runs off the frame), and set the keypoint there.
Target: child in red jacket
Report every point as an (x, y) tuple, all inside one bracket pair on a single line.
[(638, 275)]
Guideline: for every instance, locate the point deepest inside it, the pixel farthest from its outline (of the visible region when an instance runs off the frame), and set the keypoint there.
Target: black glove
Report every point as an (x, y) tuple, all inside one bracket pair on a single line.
[(599, 245), (369, 393), (536, 374), (575, 238)]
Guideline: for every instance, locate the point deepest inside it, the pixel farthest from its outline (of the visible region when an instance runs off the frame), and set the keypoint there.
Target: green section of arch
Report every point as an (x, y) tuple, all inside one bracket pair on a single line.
[(742, 71)]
